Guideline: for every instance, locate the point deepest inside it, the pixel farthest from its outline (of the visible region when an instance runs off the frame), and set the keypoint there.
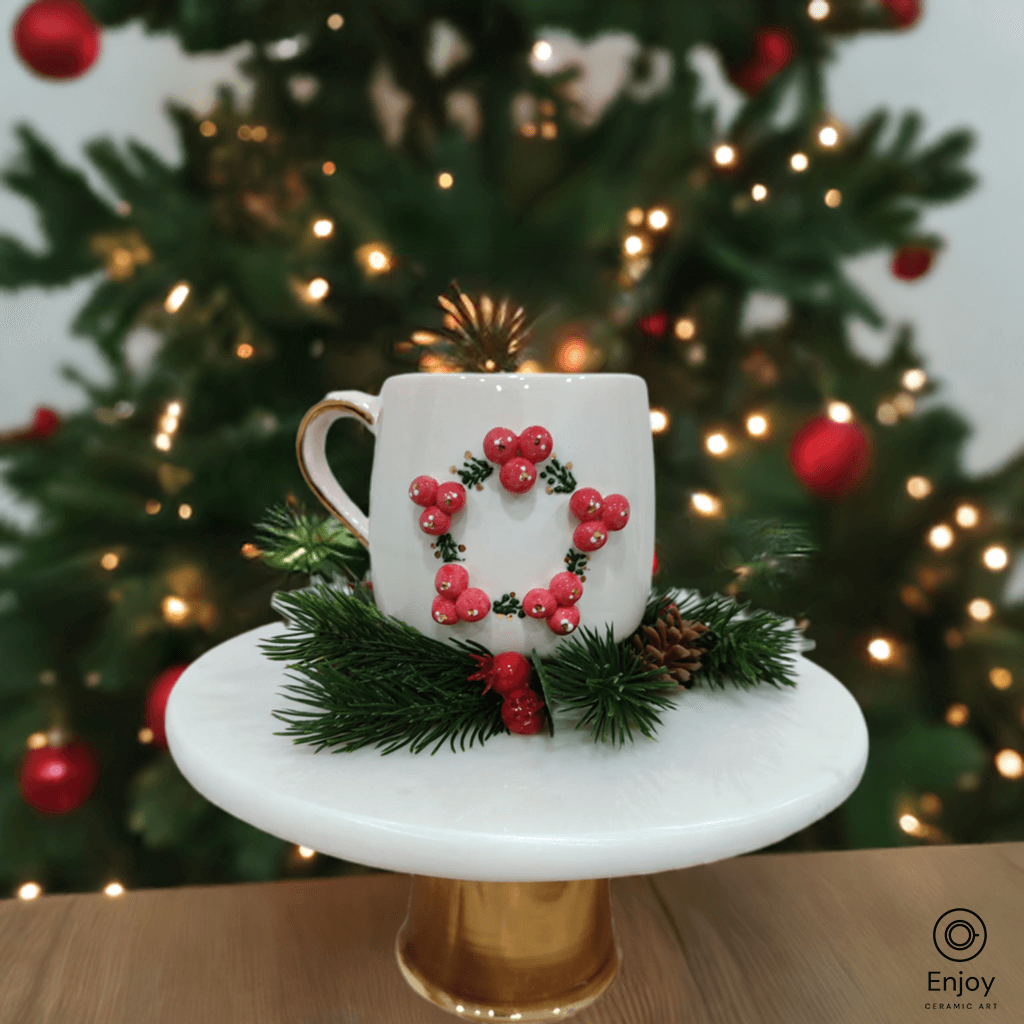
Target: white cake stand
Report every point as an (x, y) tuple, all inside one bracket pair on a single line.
[(511, 844)]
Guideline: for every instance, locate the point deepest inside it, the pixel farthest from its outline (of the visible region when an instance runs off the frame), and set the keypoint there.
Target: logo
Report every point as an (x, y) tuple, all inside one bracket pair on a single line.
[(959, 935)]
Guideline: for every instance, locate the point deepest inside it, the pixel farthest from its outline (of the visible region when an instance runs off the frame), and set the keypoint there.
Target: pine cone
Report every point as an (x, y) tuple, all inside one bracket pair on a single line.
[(671, 644)]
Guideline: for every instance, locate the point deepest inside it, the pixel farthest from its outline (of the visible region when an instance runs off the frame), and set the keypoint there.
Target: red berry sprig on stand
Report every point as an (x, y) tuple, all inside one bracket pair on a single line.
[(509, 674), (45, 423)]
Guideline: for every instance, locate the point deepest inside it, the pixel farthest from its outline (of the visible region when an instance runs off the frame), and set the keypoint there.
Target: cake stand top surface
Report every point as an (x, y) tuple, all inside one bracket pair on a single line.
[(730, 771)]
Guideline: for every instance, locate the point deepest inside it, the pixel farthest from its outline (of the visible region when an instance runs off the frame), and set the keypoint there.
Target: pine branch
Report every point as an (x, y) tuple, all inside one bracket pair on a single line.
[(367, 680), (292, 540)]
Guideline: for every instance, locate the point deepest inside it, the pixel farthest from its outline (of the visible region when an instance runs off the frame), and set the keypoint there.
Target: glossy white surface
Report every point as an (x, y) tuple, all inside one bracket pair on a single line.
[(424, 425), (731, 771)]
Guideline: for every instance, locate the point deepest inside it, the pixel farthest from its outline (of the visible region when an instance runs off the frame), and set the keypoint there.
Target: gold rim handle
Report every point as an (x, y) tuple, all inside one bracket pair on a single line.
[(311, 449)]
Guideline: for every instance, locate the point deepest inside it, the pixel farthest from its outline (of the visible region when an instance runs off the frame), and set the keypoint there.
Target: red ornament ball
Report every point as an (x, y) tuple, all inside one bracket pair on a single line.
[(500, 445), (830, 459), (156, 703), (423, 491), (55, 780), (909, 262), (654, 565), (654, 325), (535, 444), (585, 504), (451, 498), (451, 580), (444, 611), (615, 513), (472, 604), (773, 50), (567, 587), (590, 536), (57, 38), (564, 620), (434, 521), (509, 672), (539, 603), (904, 12), (518, 475), (523, 712)]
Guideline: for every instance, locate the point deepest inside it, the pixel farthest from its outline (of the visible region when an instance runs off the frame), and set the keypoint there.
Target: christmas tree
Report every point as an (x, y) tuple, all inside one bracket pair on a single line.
[(299, 246)]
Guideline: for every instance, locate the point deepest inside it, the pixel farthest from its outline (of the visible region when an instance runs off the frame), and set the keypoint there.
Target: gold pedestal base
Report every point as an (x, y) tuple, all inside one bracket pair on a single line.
[(504, 951)]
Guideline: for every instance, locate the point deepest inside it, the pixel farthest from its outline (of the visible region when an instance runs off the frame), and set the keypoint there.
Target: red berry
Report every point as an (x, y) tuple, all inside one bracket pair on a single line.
[(423, 490), (567, 587), (565, 619), (535, 444), (518, 475), (451, 497), (910, 262), (904, 12), (443, 610), (590, 536), (509, 672), (523, 712), (615, 513), (45, 423), (586, 503), (473, 604), (539, 603), (451, 580), (500, 445), (434, 521)]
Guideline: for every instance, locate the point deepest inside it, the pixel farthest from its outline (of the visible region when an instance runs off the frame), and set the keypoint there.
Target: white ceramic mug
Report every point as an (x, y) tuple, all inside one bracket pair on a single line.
[(434, 425)]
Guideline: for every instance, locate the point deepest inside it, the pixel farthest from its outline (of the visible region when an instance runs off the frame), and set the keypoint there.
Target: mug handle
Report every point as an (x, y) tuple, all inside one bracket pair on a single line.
[(310, 447)]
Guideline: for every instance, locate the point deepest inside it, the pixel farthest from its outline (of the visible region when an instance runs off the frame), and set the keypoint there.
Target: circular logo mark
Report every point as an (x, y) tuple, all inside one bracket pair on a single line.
[(959, 935)]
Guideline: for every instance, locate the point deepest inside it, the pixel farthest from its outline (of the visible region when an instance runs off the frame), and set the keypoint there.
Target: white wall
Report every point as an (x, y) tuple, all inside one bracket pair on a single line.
[(958, 66)]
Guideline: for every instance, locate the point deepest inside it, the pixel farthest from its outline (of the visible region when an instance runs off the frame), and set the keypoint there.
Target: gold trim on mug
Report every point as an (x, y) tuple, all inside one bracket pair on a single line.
[(307, 421)]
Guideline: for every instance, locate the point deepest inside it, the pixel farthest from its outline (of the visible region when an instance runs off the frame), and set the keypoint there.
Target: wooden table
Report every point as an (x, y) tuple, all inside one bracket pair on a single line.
[(786, 938)]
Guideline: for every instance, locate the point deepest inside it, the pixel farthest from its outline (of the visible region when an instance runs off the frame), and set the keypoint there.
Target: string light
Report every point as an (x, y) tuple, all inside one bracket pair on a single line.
[(306, 852), (980, 610), (840, 412), (914, 380), (445, 179), (259, 133), (244, 132), (549, 130), (542, 50), (1009, 763), (110, 561), (910, 824), (757, 424), (931, 804), (163, 442), (244, 350), (725, 155), (633, 245), (635, 217), (207, 129), (705, 504), (335, 21), (92, 679), (323, 228), (145, 735), (317, 289), (818, 10), (572, 354), (176, 297), (967, 516), (37, 741), (30, 891), (799, 162), (113, 890), (530, 366), (919, 487), (174, 610), (659, 421), (996, 558), (903, 403), (880, 649), (657, 219), (696, 354), (957, 715), (717, 444), (184, 511), (685, 328), (833, 197), (1001, 678), (828, 136), (887, 414), (328, 167), (528, 129), (940, 537), (375, 257), (758, 193), (152, 507)]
